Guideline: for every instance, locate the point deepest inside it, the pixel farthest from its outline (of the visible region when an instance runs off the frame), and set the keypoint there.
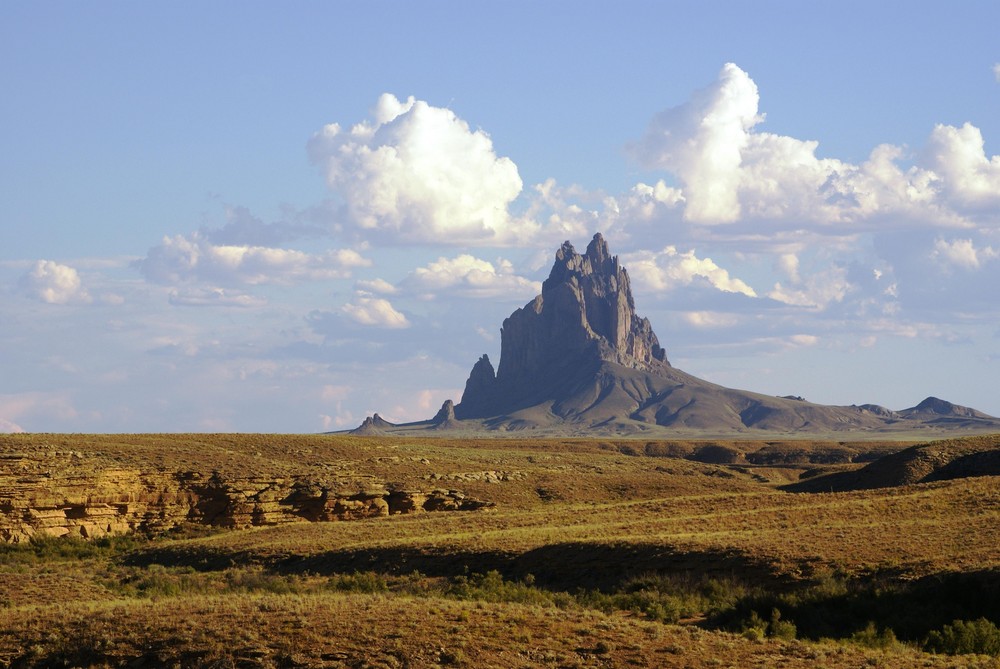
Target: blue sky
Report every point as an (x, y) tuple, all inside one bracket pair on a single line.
[(252, 217)]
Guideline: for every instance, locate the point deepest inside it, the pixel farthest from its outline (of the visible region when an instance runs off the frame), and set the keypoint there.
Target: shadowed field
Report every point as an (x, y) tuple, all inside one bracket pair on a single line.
[(590, 553)]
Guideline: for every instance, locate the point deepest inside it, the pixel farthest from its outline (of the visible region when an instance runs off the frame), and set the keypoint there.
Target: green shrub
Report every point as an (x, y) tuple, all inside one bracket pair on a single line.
[(754, 628), (962, 637), (780, 629), (872, 637), (491, 587), (366, 582)]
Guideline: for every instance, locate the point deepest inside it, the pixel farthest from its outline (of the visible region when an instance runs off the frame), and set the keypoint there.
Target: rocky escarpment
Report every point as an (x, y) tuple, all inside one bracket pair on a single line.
[(38, 499), (584, 316)]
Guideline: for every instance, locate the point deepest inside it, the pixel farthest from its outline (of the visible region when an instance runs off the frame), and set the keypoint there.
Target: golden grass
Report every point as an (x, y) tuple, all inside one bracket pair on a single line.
[(262, 630), (573, 514)]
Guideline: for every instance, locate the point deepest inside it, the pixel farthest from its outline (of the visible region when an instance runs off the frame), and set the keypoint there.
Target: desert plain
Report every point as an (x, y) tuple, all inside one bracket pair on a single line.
[(348, 551)]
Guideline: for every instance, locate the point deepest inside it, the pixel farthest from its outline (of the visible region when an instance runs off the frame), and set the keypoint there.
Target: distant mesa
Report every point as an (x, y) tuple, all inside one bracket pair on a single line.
[(578, 359)]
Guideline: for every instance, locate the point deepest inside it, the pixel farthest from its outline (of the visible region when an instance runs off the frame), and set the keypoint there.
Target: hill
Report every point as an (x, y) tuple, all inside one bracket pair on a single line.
[(925, 463)]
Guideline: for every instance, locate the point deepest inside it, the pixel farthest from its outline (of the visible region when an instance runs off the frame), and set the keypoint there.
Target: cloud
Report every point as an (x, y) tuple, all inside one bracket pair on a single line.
[(53, 283), (418, 173), (468, 276), (643, 201), (962, 253), (958, 155), (731, 172), (242, 228), (803, 340), (8, 427), (670, 268), (710, 319), (42, 408), (816, 291), (213, 297), (996, 72), (702, 141), (375, 312), (182, 259), (788, 264), (376, 286)]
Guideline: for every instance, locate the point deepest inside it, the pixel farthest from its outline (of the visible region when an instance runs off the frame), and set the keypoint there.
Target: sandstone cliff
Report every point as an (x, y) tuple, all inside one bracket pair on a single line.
[(86, 494)]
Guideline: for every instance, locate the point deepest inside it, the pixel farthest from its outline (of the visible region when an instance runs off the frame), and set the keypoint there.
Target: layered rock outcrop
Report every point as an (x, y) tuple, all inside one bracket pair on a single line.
[(37, 499)]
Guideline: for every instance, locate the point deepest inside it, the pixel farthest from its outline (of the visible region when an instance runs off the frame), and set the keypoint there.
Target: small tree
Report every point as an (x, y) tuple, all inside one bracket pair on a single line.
[(962, 637)]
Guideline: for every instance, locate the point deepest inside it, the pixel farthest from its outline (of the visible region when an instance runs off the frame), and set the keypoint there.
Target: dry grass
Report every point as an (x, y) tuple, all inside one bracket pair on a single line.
[(577, 524), (377, 631)]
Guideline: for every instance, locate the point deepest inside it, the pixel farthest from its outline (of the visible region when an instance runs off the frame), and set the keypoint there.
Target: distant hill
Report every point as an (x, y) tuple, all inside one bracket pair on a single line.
[(936, 461), (578, 359)]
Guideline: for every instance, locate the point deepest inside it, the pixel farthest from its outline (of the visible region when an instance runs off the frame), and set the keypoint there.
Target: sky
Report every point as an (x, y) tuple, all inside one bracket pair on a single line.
[(261, 217)]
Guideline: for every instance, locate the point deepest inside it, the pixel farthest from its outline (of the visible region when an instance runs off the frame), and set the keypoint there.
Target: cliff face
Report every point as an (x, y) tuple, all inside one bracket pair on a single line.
[(38, 499), (584, 316)]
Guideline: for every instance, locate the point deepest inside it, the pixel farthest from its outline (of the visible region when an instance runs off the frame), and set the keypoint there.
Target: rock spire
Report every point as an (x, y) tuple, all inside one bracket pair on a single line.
[(584, 315)]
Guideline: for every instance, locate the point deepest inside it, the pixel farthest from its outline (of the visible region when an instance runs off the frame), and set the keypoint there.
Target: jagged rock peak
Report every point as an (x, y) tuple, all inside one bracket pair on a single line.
[(594, 290), (445, 414), (378, 421), (372, 425), (597, 260), (480, 389), (598, 251), (584, 316)]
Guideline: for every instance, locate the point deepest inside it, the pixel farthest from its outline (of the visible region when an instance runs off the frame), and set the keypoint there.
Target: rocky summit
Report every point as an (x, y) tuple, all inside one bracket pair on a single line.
[(585, 316), (578, 359)]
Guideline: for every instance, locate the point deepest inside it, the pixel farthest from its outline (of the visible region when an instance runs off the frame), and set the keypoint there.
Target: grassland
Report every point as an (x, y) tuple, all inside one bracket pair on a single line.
[(596, 553)]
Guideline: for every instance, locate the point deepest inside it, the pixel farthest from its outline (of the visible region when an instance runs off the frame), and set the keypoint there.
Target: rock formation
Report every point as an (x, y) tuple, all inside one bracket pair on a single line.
[(584, 316), (38, 498), (445, 419), (372, 426), (578, 359)]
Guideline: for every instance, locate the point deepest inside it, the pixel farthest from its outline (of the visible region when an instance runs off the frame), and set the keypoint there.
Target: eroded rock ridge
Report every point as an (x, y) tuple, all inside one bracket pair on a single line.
[(585, 315), (37, 500)]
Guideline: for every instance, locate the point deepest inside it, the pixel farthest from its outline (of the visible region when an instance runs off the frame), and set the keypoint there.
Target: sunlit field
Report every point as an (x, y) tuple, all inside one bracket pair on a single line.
[(581, 553)]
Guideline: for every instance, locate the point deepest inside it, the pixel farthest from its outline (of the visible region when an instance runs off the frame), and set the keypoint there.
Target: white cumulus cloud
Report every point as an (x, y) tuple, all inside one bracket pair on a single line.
[(377, 286), (181, 259), (959, 156), (416, 172), (375, 312), (962, 253), (659, 271), (730, 171), (702, 141), (53, 283), (469, 276)]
